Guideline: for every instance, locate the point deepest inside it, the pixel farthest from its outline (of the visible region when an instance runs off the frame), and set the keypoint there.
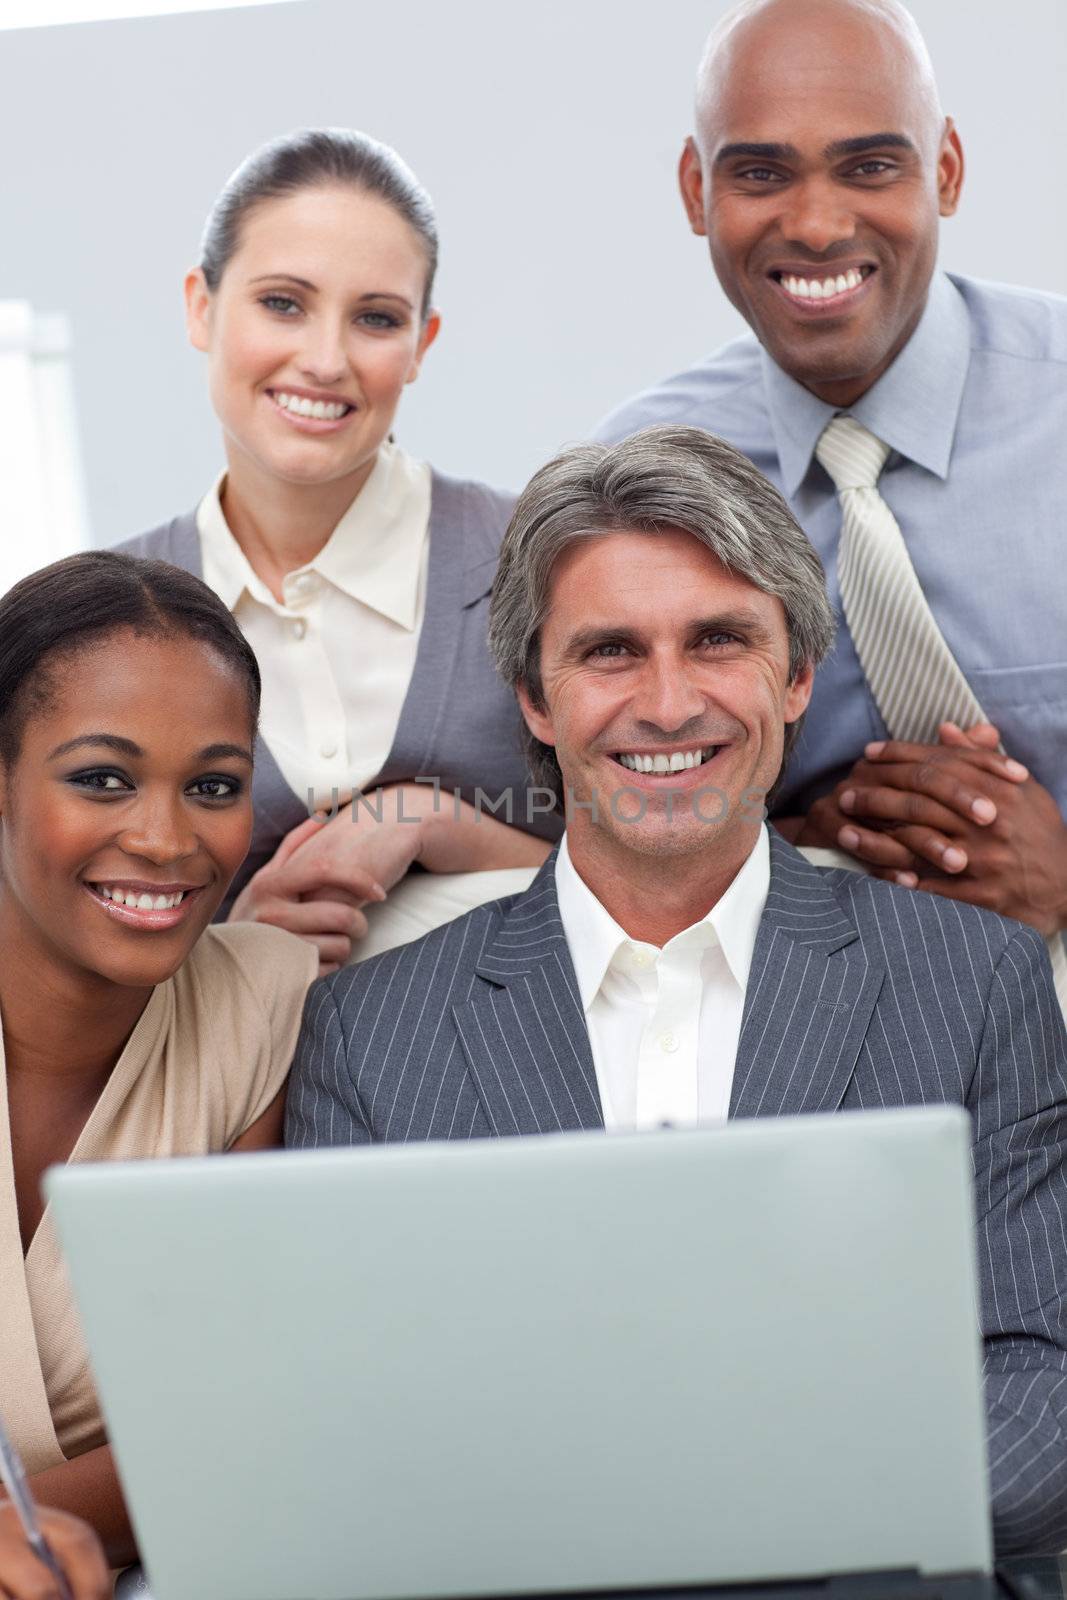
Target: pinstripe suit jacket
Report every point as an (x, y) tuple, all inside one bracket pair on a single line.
[(860, 995)]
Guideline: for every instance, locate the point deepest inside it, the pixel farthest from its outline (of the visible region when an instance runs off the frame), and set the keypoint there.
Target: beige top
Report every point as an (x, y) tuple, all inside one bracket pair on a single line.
[(208, 1055)]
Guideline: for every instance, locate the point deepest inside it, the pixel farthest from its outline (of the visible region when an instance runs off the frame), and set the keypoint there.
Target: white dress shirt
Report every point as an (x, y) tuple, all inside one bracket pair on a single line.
[(337, 653), (664, 1023)]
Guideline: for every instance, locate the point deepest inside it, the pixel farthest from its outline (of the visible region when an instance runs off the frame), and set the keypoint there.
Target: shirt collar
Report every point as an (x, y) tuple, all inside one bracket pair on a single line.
[(593, 935), (594, 938), (226, 567), (914, 407), (373, 554)]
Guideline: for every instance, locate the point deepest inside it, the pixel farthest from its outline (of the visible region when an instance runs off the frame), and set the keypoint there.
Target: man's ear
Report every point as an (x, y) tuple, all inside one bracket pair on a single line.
[(691, 183), (950, 168), (798, 693), (538, 722), (197, 309)]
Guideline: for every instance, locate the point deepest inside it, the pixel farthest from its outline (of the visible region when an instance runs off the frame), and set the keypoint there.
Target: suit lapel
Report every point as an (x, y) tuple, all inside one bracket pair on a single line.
[(522, 1027), (811, 991)]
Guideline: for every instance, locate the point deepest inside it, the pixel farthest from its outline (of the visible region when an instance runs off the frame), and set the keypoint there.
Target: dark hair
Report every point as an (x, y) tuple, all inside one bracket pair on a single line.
[(315, 158), (75, 602)]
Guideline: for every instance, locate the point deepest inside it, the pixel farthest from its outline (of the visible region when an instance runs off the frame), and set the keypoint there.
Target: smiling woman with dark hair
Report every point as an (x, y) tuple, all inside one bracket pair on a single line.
[(128, 708)]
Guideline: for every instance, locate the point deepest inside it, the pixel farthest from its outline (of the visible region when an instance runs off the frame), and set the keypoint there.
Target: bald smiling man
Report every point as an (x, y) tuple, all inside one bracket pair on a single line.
[(916, 422)]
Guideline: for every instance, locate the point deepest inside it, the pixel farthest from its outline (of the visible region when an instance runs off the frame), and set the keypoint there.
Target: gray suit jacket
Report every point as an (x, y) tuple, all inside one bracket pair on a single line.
[(860, 995)]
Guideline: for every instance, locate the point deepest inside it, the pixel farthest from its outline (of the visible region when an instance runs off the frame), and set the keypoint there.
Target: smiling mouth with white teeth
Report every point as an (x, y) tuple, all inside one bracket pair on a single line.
[(663, 763), (137, 900), (820, 289), (317, 410)]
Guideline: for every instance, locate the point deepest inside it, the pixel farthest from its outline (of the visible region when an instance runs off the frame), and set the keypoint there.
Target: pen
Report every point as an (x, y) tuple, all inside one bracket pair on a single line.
[(13, 1478)]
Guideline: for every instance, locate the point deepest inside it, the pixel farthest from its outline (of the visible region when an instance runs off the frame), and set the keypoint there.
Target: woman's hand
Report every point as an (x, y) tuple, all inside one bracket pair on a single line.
[(386, 832), (77, 1550), (456, 837), (372, 841), (315, 898), (323, 872)]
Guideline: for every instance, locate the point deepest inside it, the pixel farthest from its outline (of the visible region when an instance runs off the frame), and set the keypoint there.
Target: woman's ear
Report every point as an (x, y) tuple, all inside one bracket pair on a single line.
[(430, 329), (197, 309)]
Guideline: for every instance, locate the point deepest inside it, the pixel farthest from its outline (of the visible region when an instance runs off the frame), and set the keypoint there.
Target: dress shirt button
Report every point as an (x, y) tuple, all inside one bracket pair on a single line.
[(668, 1042), (641, 958), (299, 629), (304, 582), (327, 750)]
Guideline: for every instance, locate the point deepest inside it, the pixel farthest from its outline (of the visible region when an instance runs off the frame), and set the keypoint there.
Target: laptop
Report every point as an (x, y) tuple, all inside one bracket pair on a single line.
[(727, 1356)]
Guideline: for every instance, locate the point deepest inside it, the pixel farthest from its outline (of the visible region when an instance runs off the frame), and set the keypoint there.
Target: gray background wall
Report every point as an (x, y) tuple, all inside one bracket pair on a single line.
[(548, 136)]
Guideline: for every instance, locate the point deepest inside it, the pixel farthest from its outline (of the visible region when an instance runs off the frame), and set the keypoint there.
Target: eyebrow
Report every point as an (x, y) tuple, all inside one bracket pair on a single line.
[(111, 741), (127, 747), (869, 141), (831, 152), (759, 152), (284, 277), (218, 752), (586, 638)]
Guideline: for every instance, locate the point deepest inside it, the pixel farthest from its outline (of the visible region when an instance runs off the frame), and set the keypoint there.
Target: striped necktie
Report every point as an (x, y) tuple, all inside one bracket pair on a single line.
[(914, 677)]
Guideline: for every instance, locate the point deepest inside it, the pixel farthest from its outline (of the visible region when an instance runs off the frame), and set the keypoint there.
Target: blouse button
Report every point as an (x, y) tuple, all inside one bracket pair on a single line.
[(668, 1042), (299, 629), (328, 750)]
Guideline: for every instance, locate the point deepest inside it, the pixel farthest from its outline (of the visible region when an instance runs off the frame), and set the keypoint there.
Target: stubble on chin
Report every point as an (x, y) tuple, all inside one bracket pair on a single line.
[(673, 827)]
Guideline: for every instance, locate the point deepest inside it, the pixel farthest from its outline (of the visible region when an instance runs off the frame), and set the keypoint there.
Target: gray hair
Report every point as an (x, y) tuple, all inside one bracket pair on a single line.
[(660, 480), (317, 158)]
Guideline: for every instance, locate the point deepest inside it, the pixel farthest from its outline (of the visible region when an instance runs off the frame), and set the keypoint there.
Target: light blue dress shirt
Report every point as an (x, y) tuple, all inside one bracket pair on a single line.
[(975, 412)]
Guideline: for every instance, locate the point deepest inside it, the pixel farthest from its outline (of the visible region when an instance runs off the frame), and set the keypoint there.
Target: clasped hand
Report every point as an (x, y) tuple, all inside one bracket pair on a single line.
[(957, 818), (324, 872)]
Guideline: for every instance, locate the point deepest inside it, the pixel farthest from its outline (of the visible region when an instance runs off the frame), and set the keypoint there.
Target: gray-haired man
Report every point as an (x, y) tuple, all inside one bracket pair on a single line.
[(660, 615)]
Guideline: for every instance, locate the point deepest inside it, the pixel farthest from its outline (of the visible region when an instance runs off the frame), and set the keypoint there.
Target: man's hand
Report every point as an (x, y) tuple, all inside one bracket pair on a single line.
[(957, 818), (75, 1547), (911, 812)]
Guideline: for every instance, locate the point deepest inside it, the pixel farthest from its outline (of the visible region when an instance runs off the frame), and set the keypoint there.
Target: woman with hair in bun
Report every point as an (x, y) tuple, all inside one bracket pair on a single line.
[(359, 575), (131, 1028)]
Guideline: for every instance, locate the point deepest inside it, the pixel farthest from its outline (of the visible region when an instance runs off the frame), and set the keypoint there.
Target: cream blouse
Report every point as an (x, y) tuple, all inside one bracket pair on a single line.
[(210, 1052), (338, 650)]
